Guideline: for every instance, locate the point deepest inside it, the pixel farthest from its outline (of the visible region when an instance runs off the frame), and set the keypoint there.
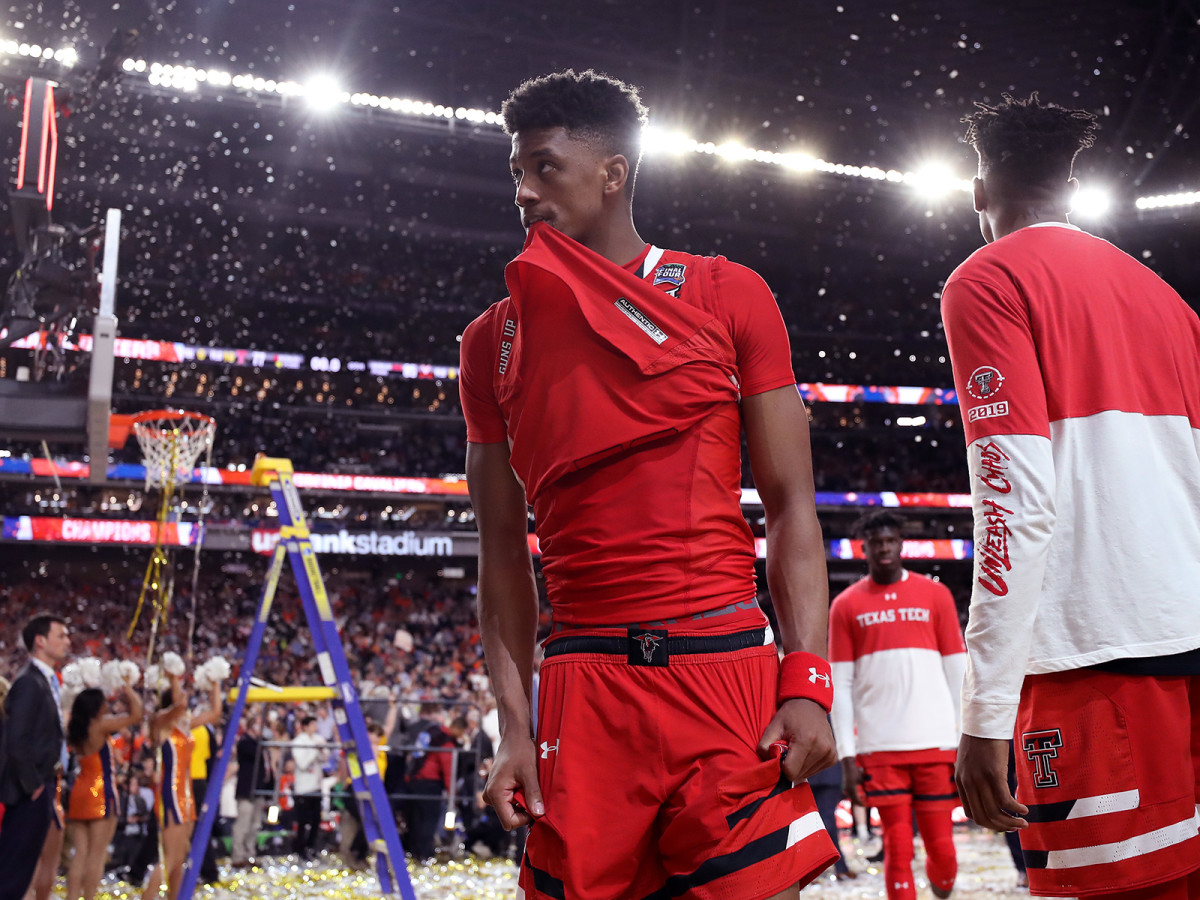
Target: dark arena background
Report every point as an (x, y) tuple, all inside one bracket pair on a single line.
[(314, 202)]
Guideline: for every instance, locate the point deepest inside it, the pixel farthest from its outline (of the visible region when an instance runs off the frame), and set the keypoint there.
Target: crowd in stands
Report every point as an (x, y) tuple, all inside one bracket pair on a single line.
[(417, 630), (855, 447), (411, 643)]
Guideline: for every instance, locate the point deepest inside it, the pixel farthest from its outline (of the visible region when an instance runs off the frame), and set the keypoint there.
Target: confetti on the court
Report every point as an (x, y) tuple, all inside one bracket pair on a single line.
[(985, 870)]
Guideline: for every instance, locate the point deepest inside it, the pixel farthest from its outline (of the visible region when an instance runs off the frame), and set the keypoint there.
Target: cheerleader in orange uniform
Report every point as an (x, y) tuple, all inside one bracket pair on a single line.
[(176, 806), (176, 801), (92, 805)]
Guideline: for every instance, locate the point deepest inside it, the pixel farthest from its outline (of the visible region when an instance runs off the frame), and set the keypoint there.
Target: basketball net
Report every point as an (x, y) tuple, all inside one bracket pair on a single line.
[(171, 443)]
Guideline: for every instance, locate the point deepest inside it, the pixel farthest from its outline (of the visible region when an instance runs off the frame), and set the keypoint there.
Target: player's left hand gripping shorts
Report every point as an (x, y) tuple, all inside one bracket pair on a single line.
[(1109, 766), (653, 784)]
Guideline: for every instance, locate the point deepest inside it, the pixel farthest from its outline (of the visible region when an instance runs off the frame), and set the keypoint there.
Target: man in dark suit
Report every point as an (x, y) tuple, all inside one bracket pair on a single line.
[(35, 750)]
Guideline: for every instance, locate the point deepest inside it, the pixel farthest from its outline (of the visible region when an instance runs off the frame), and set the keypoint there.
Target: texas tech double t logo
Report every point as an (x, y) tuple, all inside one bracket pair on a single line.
[(1041, 747)]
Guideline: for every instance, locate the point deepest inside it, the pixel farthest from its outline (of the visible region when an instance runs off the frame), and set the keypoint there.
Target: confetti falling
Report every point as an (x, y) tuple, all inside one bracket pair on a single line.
[(985, 870)]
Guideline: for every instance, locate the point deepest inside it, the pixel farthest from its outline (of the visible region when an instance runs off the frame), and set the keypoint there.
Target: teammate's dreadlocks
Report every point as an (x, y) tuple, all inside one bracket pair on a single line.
[(1028, 146), (588, 104)]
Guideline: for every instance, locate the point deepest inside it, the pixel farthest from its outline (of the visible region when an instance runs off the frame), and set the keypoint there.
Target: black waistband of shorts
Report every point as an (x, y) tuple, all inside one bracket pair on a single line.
[(674, 645)]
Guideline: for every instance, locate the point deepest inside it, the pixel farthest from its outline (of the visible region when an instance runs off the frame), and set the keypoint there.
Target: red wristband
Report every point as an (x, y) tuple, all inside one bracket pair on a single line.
[(806, 676)]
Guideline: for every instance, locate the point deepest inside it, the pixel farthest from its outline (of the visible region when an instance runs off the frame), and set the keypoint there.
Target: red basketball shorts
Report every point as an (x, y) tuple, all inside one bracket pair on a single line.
[(653, 785), (1108, 765), (923, 778)]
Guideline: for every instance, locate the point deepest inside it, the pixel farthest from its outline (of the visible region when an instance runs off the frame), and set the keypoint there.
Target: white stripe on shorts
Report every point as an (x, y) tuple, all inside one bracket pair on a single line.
[(805, 826), (1102, 804), (1138, 845)]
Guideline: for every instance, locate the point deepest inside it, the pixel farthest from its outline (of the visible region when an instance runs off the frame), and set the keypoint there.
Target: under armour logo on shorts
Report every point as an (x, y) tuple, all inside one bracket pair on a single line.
[(814, 676), (548, 748)]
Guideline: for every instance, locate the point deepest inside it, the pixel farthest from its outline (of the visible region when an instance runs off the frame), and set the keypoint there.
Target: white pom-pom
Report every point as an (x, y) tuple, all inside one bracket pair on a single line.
[(130, 672), (219, 668), (154, 678), (89, 670), (72, 677), (111, 677), (172, 663), (201, 680)]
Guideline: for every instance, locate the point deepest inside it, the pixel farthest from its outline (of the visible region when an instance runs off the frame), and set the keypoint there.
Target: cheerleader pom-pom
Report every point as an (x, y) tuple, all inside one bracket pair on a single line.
[(201, 680), (130, 672), (72, 677), (112, 680), (218, 669), (154, 678), (89, 670), (172, 663)]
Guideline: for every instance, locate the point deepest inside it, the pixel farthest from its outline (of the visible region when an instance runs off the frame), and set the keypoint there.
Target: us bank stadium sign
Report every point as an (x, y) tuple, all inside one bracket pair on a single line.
[(374, 543)]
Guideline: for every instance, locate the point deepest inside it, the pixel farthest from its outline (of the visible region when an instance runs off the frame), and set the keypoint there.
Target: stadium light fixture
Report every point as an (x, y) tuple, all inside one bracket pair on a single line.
[(1168, 201), (935, 180), (658, 140), (321, 92), (1091, 202), (734, 150)]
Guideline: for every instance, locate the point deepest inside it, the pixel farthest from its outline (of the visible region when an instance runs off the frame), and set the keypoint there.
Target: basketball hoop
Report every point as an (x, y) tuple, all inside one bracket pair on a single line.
[(172, 441)]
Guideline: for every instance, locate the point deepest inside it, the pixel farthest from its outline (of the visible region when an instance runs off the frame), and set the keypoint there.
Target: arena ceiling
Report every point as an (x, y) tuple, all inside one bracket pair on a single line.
[(861, 83)]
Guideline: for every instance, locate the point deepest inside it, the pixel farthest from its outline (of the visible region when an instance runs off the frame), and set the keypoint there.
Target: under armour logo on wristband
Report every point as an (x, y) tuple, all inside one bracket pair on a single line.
[(805, 676)]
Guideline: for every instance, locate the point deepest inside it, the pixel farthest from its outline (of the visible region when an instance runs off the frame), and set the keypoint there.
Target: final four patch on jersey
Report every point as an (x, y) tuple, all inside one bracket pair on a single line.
[(984, 382), (673, 274)]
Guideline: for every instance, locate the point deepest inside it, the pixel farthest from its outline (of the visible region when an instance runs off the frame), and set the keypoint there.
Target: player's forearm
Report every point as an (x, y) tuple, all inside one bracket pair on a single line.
[(508, 612), (797, 577)]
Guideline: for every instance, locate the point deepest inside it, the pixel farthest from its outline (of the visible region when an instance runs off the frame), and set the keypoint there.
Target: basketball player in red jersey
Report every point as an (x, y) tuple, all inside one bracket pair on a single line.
[(898, 657), (609, 391), (1079, 372)]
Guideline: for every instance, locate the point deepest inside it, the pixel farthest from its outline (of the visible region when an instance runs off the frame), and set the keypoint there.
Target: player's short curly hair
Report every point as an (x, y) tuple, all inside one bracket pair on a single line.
[(588, 104), (1026, 145), (877, 520)]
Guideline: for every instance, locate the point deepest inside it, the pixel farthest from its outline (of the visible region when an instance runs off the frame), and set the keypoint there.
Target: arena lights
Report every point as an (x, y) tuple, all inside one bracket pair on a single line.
[(1168, 201), (1091, 202), (65, 55), (936, 180), (324, 93)]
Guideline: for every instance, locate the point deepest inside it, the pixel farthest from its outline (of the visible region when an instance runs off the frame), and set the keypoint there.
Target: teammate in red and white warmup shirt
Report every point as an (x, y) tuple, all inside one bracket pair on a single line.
[(609, 391), (898, 657), (1079, 374)]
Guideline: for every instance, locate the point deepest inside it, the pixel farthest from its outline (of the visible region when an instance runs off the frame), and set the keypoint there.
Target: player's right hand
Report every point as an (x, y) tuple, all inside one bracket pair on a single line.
[(981, 775), (512, 786)]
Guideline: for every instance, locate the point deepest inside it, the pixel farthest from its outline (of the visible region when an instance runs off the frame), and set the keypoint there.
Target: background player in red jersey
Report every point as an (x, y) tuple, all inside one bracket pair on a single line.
[(898, 657), (609, 391), (1079, 371)]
